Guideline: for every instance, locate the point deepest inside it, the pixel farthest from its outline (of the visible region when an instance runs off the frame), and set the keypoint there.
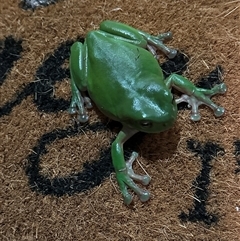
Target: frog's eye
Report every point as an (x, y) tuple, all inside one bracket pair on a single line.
[(146, 123)]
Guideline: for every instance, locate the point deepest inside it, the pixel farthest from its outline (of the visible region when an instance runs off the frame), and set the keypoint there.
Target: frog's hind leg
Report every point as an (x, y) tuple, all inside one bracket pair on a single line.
[(78, 82), (139, 38), (123, 32)]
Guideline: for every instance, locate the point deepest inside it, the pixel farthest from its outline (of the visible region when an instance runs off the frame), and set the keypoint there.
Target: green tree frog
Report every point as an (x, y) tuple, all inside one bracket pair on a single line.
[(117, 65)]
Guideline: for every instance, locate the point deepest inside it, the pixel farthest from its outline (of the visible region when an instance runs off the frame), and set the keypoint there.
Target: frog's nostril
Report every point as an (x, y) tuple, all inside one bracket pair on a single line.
[(146, 123)]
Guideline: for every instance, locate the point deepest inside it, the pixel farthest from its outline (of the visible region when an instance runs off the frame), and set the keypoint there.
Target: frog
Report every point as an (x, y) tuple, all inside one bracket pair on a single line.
[(117, 67)]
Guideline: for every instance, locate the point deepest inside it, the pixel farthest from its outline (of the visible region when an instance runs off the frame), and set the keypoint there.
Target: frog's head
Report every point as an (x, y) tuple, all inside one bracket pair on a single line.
[(153, 115)]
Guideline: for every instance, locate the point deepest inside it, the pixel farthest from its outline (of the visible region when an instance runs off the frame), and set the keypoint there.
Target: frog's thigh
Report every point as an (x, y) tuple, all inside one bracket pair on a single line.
[(78, 65), (123, 32)]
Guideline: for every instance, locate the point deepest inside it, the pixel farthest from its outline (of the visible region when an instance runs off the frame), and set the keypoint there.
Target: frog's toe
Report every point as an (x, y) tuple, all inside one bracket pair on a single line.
[(195, 117), (221, 88), (127, 198), (72, 110), (125, 182), (192, 103), (87, 102), (73, 106), (83, 118), (144, 179), (219, 111), (165, 36), (172, 53), (144, 196)]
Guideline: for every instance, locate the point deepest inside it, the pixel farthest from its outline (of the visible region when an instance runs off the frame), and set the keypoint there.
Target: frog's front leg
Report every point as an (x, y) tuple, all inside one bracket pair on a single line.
[(195, 96), (79, 101), (139, 38), (124, 172)]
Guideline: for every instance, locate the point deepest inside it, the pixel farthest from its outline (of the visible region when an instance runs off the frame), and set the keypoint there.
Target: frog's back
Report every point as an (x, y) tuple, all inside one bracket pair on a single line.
[(118, 72), (111, 54)]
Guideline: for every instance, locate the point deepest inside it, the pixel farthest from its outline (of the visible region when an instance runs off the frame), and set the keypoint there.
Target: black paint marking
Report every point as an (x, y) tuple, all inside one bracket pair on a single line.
[(17, 99), (237, 154), (47, 75), (10, 50), (176, 65), (213, 78), (92, 175), (199, 213), (33, 4)]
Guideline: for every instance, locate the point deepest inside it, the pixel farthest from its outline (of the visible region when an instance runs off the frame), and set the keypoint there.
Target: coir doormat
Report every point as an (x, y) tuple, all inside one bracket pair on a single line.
[(57, 178)]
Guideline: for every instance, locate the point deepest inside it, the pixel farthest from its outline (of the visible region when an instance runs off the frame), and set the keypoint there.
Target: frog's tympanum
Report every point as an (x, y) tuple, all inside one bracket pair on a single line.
[(117, 65)]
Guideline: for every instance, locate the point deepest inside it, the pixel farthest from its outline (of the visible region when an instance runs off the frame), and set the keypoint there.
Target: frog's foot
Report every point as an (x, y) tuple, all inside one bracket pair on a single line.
[(145, 179), (203, 97), (78, 106), (171, 53), (156, 42), (125, 179), (192, 102)]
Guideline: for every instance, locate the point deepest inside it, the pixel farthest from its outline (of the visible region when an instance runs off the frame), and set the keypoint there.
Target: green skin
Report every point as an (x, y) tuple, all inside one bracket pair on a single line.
[(117, 65)]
